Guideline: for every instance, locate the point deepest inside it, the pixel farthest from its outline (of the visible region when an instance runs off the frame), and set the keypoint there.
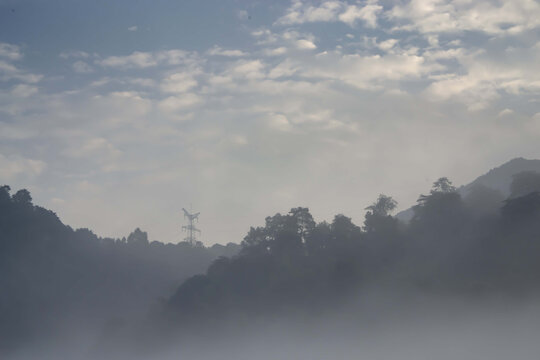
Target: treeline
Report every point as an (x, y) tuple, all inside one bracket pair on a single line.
[(52, 276), (480, 243)]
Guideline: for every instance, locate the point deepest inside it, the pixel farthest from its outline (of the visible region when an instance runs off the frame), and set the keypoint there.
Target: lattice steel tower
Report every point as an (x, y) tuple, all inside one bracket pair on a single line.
[(190, 228)]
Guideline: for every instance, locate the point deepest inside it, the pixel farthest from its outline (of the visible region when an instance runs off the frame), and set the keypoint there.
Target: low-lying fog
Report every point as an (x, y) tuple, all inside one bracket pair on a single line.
[(379, 325)]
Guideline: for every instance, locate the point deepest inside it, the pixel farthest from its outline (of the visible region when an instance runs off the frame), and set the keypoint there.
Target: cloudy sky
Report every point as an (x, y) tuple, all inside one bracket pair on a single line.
[(116, 114)]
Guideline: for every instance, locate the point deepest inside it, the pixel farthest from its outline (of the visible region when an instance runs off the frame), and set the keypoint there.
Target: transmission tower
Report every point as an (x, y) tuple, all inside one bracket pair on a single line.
[(190, 228)]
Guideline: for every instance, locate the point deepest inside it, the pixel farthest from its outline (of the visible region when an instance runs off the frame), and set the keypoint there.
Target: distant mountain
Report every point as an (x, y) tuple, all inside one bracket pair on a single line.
[(498, 178)]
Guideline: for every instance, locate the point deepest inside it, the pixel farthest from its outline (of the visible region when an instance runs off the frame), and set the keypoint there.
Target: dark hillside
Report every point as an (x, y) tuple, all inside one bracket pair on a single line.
[(51, 274)]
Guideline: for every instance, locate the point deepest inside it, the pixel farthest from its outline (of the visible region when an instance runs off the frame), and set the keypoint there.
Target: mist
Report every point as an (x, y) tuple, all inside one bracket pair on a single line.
[(459, 280), (378, 326), (288, 179)]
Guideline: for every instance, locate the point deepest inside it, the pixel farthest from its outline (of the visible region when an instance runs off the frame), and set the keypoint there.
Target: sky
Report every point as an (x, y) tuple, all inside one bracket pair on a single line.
[(117, 114)]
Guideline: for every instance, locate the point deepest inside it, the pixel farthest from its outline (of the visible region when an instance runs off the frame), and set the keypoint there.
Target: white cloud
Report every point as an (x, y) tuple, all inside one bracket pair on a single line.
[(10, 51), (484, 79), (492, 17), (386, 45), (331, 11), (9, 71), (133, 28), (119, 108), (300, 13), (505, 112), (82, 67), (305, 44), (195, 123), (179, 82), (12, 166), (145, 82), (175, 104), (368, 14), (135, 60), (96, 150), (279, 122), (296, 40), (24, 90), (474, 91), (242, 14), (140, 59), (248, 69), (238, 140), (368, 72), (276, 51), (101, 82), (218, 51), (285, 68), (77, 54)]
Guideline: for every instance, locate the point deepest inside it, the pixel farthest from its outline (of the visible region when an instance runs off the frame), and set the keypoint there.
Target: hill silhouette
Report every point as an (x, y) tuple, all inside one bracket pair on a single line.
[(498, 179), (475, 241), (451, 246), (52, 275)]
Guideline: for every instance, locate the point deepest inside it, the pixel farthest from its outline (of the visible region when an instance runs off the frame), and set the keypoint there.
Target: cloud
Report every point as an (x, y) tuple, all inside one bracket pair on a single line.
[(331, 11), (446, 16), (92, 146), (82, 67), (10, 52), (218, 51), (24, 90), (368, 14), (368, 72), (302, 98), (8, 70), (247, 69), (279, 122), (388, 44), (135, 60), (483, 79), (305, 44), (242, 14), (13, 166), (118, 109), (74, 54), (144, 82), (133, 28), (300, 12), (96, 150), (140, 59), (275, 51), (505, 112), (178, 83), (174, 104), (289, 39), (238, 140)]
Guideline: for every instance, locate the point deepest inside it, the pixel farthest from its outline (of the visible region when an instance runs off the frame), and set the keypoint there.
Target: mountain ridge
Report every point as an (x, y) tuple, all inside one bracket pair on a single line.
[(497, 178)]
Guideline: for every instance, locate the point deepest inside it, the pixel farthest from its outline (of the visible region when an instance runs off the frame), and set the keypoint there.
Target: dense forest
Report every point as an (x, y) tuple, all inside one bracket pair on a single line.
[(477, 242), (52, 275)]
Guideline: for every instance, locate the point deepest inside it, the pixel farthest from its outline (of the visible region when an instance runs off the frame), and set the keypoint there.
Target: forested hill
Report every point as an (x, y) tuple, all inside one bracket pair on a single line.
[(55, 279), (454, 245), (51, 274), (497, 179), (500, 178)]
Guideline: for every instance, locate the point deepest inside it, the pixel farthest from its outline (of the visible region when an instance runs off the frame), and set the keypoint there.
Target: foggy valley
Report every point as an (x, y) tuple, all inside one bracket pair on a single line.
[(286, 179), (460, 279)]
